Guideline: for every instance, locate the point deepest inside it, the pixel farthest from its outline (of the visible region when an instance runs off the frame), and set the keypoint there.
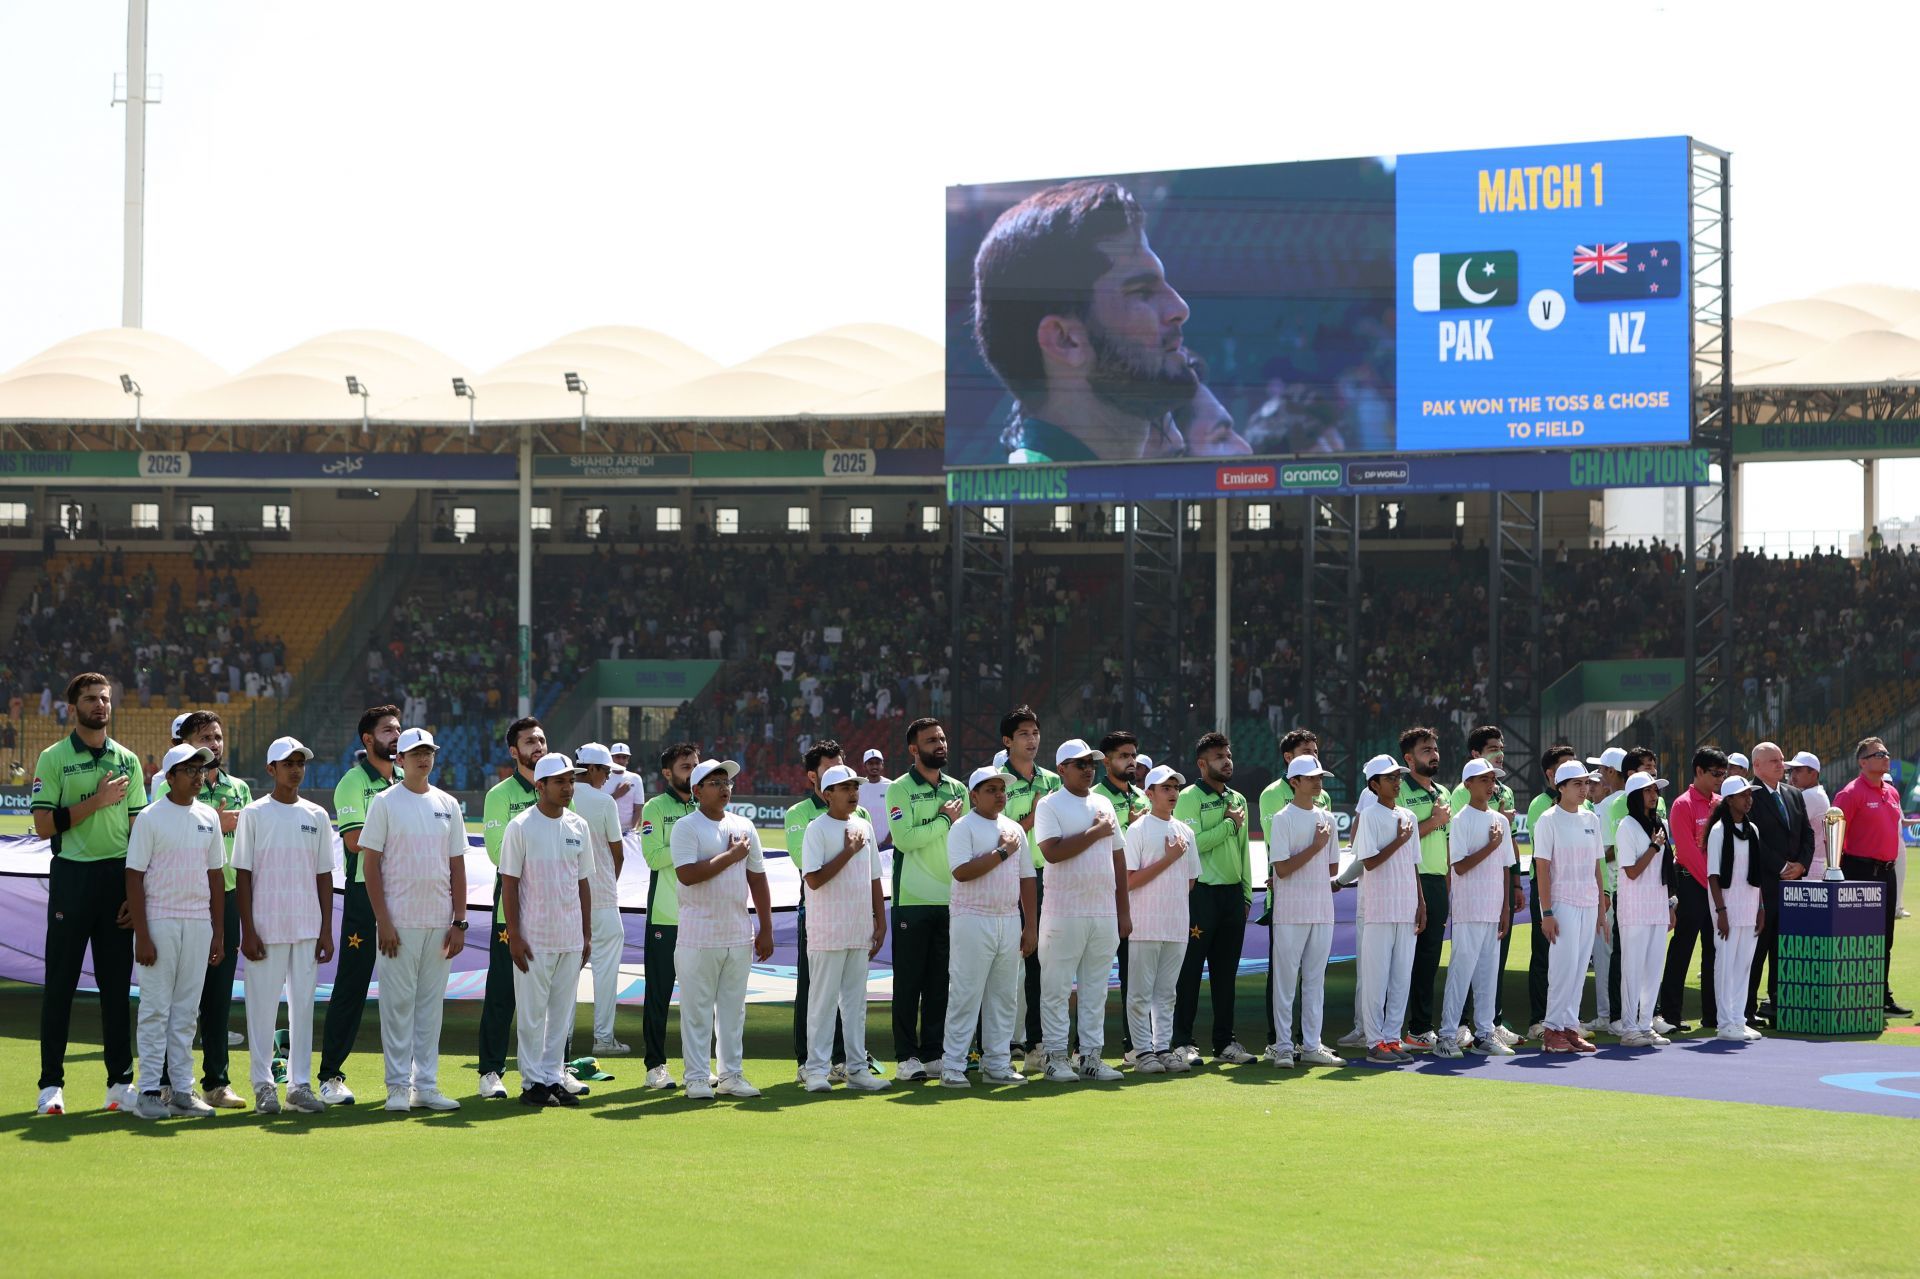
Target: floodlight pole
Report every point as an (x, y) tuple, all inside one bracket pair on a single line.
[(526, 571), (133, 230)]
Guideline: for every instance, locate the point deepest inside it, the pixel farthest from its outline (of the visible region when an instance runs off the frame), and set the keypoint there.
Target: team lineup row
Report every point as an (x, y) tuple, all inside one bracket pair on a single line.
[(1018, 887)]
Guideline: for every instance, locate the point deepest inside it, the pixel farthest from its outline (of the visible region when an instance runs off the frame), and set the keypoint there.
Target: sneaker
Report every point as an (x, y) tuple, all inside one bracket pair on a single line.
[(1319, 1055), (1147, 1063), (1422, 1042), (53, 1101), (1018, 1053), (1732, 1034), (1554, 1041), (235, 1039), (335, 1091), (1537, 1031), (1037, 1060), (147, 1106), (699, 1088), (1355, 1038), (1753, 1035), (1897, 1009), (225, 1098), (1234, 1055), (561, 1097), (1490, 1046), (911, 1070), (1008, 1076), (737, 1086), (660, 1077), (122, 1097), (1131, 1057), (188, 1105), (493, 1089), (536, 1095), (1616, 1027), (815, 1082), (1060, 1070), (1278, 1055), (1091, 1067), (433, 1099), (1507, 1037), (1448, 1047), (610, 1048), (1175, 1063), (1591, 1027), (1463, 1036), (1400, 1050), (1658, 1040), (1635, 1039), (1383, 1055), (571, 1085), (300, 1097), (1581, 1044), (266, 1099), (1661, 1026), (800, 1074), (837, 1073), (955, 1079), (861, 1081), (1189, 1054)]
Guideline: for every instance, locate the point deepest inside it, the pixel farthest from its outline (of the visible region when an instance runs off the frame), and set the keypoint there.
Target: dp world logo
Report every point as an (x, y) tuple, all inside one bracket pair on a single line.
[(1313, 475)]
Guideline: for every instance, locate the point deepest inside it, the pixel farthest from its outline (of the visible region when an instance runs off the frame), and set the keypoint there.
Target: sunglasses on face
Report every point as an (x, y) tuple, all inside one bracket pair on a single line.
[(1878, 755), (1078, 763)]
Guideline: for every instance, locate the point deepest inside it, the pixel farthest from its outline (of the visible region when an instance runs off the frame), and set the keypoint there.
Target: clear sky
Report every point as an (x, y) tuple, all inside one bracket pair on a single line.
[(486, 176)]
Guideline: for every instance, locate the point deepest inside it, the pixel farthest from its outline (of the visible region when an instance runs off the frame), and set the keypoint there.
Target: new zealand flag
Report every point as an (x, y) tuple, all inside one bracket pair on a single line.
[(1627, 272)]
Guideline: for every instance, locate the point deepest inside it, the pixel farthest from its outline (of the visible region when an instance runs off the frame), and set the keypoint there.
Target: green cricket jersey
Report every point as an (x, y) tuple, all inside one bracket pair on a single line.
[(657, 817), (351, 797), (506, 801), (232, 793), (920, 873), (1418, 798), (1129, 803), (801, 816), (1225, 856), (69, 771), (1023, 794)]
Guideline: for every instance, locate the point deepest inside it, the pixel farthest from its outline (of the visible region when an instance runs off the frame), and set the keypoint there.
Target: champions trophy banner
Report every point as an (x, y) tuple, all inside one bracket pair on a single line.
[(1833, 958)]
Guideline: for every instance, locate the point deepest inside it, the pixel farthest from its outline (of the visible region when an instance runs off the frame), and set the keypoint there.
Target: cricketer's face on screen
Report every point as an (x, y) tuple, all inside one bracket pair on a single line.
[(1128, 348)]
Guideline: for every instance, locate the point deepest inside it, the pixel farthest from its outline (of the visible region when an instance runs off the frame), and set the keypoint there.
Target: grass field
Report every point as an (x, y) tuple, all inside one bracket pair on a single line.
[(1223, 1171)]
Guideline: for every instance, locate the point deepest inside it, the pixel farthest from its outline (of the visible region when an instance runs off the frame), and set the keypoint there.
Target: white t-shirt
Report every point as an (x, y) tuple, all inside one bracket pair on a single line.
[(1082, 886), (1306, 896), (714, 911), (1159, 907), (873, 798), (418, 837), (625, 805), (601, 812), (1741, 899), (1570, 842), (284, 848), (1389, 892), (1641, 902), (1478, 896), (549, 856), (840, 912), (996, 893), (175, 845)]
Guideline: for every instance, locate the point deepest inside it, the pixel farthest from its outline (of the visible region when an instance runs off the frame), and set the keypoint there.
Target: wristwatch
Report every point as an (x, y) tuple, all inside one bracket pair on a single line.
[(1002, 852), (461, 924), (1673, 903)]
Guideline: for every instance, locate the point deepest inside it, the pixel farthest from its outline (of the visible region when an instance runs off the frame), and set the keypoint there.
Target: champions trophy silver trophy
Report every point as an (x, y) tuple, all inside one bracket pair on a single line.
[(1836, 837)]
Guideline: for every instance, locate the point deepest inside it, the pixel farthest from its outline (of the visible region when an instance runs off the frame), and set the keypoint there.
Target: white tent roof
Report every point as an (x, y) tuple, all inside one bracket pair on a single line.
[(1858, 335)]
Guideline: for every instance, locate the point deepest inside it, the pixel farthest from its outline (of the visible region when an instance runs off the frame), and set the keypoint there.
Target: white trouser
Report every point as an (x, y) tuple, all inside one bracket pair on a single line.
[(170, 999), (1473, 967), (1359, 966), (1153, 971), (1900, 879), (1300, 962), (1643, 957), (713, 998), (837, 984), (1732, 970), (985, 972), (609, 944), (1567, 964), (413, 996), (1076, 948), (1603, 961), (288, 969), (543, 1002), (1386, 974)]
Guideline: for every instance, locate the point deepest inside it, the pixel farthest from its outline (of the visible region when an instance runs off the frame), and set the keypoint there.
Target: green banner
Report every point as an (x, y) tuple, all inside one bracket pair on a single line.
[(30, 467), (1850, 439), (1629, 682), (658, 681), (611, 466)]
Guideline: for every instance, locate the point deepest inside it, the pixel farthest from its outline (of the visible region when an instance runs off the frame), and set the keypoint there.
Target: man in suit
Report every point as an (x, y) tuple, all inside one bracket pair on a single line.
[(1784, 851)]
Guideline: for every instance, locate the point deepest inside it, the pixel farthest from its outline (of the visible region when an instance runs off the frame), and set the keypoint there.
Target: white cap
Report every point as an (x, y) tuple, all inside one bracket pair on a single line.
[(874, 752), (1074, 748), (1305, 766), (1161, 773), (1806, 759), (285, 747), (1476, 768), (986, 774), (999, 759), (1571, 771), (620, 748), (178, 720), (708, 766), (1733, 786), (554, 764), (1737, 760), (1143, 761), (594, 753), (837, 774), (1640, 781), (1612, 757), (1381, 765), (411, 738), (184, 754)]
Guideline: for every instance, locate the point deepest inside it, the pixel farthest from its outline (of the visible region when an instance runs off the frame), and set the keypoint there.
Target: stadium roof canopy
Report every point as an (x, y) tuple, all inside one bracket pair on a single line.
[(854, 371), (1862, 335)]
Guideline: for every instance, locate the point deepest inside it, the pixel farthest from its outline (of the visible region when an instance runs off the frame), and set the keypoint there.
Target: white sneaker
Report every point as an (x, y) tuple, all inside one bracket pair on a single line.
[(121, 1097), (225, 1098), (1505, 1036), (1355, 1038), (335, 1092), (837, 1073), (432, 1099), (266, 1099), (1037, 1060), (492, 1087), (1536, 1030), (910, 1069), (1189, 1054), (1147, 1063), (235, 1039), (1422, 1042), (610, 1048), (1658, 1040), (1234, 1055), (737, 1086), (1008, 1076), (300, 1097), (862, 1081), (53, 1101), (1753, 1035), (954, 1079), (699, 1088), (1175, 1063), (1732, 1034), (188, 1105), (399, 1099), (660, 1077), (1463, 1036), (814, 1082), (1634, 1039), (1616, 1027), (1272, 1056), (1661, 1026), (1318, 1055), (1060, 1070), (1131, 1057), (149, 1106), (1491, 1046), (1099, 1072), (570, 1082), (1592, 1026), (1448, 1047)]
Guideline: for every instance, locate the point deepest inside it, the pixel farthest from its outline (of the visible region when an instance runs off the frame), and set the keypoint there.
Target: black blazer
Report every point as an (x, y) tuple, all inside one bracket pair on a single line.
[(1782, 840)]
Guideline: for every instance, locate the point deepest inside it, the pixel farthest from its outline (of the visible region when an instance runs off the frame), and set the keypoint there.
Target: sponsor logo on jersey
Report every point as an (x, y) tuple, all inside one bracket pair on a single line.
[(646, 826), (896, 813)]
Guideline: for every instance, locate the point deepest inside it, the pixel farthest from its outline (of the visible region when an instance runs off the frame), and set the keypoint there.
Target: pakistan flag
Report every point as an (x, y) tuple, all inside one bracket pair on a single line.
[(1448, 281)]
